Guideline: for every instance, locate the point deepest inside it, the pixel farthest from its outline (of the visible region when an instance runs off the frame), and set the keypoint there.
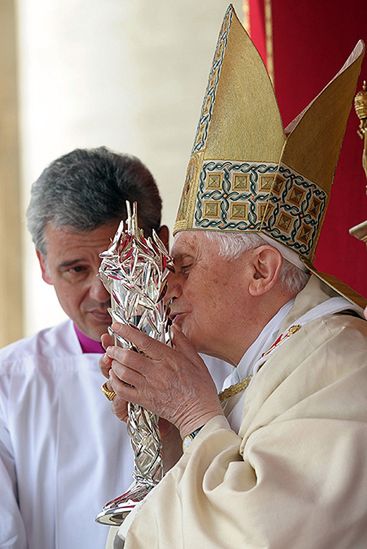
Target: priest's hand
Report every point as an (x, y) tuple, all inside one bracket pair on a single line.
[(119, 405), (173, 382)]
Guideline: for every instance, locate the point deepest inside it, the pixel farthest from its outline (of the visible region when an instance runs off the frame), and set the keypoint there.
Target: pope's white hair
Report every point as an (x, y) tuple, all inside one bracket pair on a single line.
[(232, 245)]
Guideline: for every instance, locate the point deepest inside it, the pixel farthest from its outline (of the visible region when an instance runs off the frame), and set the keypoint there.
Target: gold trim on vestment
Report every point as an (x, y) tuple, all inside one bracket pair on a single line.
[(243, 384), (234, 389)]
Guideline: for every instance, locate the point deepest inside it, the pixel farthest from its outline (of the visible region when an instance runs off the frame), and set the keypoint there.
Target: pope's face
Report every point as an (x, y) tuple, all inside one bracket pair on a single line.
[(206, 291), (71, 266)]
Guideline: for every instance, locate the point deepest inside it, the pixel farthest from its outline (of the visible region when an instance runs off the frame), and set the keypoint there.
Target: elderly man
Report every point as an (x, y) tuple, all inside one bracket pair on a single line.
[(278, 459)]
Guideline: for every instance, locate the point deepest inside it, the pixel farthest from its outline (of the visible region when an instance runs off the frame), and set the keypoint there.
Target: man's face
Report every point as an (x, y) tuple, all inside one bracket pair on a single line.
[(71, 266), (206, 292)]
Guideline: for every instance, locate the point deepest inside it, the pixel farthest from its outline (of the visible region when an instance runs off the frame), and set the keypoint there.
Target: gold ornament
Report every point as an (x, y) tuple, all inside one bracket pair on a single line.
[(234, 389), (360, 105), (108, 393)]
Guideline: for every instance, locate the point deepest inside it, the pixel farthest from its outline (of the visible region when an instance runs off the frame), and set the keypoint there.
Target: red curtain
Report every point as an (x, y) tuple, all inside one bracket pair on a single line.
[(310, 41)]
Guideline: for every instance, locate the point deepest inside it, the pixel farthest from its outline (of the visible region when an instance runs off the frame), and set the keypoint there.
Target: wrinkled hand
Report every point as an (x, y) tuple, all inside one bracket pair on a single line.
[(173, 383), (120, 405)]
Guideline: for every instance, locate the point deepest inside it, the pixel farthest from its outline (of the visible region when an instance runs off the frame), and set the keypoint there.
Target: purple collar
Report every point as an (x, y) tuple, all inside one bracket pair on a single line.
[(87, 344)]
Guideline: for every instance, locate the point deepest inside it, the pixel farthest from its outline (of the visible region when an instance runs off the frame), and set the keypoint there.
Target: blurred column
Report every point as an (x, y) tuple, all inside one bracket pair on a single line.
[(10, 230)]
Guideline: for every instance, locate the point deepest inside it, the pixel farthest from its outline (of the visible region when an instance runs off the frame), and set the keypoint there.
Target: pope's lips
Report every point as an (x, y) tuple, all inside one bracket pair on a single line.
[(176, 317)]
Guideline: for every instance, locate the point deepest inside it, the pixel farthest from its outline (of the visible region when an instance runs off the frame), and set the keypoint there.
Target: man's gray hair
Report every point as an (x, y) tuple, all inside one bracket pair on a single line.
[(87, 188), (232, 245)]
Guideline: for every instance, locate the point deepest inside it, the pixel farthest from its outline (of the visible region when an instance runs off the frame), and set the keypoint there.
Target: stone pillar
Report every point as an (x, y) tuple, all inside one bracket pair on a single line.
[(10, 223)]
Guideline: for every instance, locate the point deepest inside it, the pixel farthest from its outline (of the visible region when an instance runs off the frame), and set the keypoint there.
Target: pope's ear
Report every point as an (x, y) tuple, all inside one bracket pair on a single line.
[(43, 264), (163, 233), (267, 262)]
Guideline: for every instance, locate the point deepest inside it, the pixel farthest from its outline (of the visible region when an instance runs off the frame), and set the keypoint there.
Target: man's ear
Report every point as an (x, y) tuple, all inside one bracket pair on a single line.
[(163, 233), (267, 262), (43, 264)]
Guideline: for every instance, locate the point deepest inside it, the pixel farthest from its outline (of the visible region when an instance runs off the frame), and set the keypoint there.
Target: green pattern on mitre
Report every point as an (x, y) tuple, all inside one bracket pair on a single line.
[(259, 197)]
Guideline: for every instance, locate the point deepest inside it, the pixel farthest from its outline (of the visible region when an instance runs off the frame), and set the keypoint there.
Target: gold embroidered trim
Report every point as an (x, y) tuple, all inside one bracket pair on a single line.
[(243, 384), (234, 389)]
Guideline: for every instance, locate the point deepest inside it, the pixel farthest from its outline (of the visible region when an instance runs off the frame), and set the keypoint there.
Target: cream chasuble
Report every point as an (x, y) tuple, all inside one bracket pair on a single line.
[(295, 474)]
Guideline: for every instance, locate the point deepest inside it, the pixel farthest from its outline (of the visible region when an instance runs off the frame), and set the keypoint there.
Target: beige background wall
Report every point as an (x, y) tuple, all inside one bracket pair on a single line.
[(11, 303), (126, 74)]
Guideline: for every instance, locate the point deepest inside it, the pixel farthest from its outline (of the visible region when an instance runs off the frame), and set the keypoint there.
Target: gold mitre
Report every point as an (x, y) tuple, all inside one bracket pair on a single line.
[(248, 174)]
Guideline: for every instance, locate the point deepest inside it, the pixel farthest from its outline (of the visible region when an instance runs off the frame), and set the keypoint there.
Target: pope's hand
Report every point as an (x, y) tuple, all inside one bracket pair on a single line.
[(119, 405), (173, 382)]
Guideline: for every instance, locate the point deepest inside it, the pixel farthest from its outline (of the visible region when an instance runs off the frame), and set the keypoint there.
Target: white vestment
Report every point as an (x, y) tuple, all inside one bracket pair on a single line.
[(63, 454)]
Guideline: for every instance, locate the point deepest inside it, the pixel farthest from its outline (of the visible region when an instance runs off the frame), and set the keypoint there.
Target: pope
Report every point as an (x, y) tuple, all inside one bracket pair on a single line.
[(278, 458)]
